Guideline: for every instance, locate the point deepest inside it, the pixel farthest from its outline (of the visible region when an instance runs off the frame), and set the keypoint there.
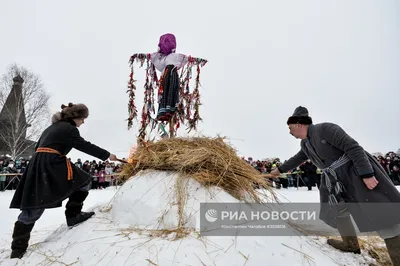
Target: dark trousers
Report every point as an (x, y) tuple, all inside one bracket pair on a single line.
[(95, 184), (284, 182), (31, 216)]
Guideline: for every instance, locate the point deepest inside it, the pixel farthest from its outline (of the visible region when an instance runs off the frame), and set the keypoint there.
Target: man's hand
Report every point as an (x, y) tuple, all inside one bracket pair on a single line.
[(275, 172), (112, 157), (371, 182)]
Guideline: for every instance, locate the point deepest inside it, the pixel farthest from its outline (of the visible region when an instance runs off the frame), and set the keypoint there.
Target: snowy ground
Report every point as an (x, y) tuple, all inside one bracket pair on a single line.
[(102, 241), (52, 220)]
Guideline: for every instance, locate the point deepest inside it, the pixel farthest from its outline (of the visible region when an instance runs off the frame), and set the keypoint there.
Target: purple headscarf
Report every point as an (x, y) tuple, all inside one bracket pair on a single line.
[(167, 44)]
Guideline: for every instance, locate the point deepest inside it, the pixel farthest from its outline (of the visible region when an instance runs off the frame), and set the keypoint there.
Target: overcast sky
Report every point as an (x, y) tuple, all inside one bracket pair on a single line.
[(340, 59)]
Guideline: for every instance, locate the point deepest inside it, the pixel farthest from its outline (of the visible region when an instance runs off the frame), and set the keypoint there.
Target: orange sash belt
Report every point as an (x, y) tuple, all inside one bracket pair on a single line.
[(50, 150)]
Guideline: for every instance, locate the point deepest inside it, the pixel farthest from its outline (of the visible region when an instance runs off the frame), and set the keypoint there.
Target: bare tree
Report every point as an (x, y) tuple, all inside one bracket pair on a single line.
[(24, 109)]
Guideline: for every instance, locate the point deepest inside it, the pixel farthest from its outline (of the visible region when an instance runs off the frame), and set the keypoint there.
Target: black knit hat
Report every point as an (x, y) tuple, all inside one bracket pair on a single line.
[(300, 116)]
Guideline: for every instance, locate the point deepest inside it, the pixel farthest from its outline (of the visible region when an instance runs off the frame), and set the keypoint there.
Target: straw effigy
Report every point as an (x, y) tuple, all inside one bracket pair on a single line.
[(210, 161)]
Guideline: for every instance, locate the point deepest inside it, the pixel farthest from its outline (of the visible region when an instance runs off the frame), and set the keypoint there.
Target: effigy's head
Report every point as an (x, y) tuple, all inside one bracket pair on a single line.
[(167, 44)]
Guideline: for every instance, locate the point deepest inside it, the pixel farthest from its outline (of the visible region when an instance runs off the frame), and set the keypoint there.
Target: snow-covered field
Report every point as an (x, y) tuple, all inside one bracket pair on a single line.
[(105, 239)]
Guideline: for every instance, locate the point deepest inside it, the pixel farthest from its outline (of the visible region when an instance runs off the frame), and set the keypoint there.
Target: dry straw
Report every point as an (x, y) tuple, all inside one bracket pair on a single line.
[(210, 161), (375, 247)]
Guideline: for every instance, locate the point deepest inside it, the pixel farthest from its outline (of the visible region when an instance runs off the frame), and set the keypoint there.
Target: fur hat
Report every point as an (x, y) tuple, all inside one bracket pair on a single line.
[(71, 111), (300, 116)]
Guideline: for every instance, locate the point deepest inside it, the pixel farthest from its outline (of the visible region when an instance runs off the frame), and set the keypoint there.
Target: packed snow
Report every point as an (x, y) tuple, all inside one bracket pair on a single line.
[(124, 231)]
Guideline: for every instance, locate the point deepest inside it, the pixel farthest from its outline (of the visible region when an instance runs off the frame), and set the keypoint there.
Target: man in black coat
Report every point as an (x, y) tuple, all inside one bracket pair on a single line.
[(351, 180), (310, 173), (50, 177)]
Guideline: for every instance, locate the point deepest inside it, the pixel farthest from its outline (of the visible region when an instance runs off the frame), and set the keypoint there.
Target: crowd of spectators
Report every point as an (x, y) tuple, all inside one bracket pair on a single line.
[(104, 173), (307, 174)]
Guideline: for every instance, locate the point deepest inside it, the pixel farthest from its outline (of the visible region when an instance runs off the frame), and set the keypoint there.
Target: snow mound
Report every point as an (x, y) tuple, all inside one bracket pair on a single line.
[(151, 201), (122, 233)]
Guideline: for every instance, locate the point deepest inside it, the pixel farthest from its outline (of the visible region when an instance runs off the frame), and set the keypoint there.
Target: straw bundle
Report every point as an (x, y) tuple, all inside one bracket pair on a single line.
[(376, 248), (373, 247), (210, 161)]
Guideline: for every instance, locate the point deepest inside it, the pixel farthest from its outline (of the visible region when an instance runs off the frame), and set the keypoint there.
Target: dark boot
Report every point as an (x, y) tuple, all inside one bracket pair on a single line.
[(349, 242), (21, 236), (73, 212), (393, 247)]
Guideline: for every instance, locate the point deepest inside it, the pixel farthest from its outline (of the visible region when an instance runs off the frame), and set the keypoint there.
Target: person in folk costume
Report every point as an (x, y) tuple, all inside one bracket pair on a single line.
[(50, 177), (168, 62), (352, 178)]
